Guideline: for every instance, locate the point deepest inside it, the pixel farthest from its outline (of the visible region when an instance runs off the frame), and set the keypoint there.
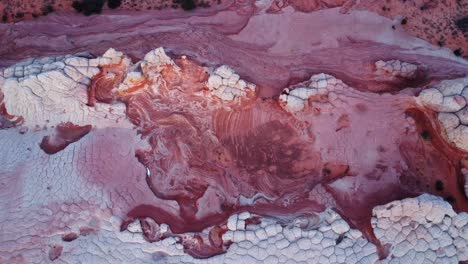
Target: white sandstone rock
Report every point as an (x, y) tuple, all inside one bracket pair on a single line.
[(396, 68), (58, 93), (340, 227), (449, 98), (227, 85), (428, 235), (294, 99)]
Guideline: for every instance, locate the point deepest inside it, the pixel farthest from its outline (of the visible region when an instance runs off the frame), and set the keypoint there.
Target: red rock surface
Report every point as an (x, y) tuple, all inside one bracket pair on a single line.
[(65, 134), (273, 157), (182, 156)]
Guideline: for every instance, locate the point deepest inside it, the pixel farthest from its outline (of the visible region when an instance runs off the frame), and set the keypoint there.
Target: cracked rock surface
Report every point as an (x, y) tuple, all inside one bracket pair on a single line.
[(77, 223), (424, 229), (191, 138), (227, 85), (396, 68), (449, 99), (52, 90)]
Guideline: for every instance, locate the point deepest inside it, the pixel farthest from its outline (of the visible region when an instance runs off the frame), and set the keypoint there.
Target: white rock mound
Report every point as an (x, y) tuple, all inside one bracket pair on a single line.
[(294, 99), (395, 68), (449, 99), (227, 85), (424, 229), (52, 90)]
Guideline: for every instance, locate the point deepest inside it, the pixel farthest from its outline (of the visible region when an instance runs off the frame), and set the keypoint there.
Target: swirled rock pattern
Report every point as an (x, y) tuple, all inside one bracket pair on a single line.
[(192, 138)]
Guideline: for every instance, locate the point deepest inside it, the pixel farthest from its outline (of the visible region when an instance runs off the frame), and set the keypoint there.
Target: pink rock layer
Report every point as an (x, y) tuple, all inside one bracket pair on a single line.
[(442, 23), (368, 151)]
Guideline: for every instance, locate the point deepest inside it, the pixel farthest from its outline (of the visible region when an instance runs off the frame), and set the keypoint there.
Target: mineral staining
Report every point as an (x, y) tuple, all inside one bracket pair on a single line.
[(186, 156), (64, 135)]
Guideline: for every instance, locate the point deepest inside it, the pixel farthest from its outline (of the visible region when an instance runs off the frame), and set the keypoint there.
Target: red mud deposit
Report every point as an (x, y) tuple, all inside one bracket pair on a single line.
[(55, 251), (64, 135), (151, 230), (7, 120), (197, 247), (259, 148), (69, 237), (431, 162), (102, 84)]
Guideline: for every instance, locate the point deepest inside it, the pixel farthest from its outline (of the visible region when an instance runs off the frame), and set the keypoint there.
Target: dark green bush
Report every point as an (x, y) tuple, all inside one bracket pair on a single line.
[(112, 4), (88, 7)]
